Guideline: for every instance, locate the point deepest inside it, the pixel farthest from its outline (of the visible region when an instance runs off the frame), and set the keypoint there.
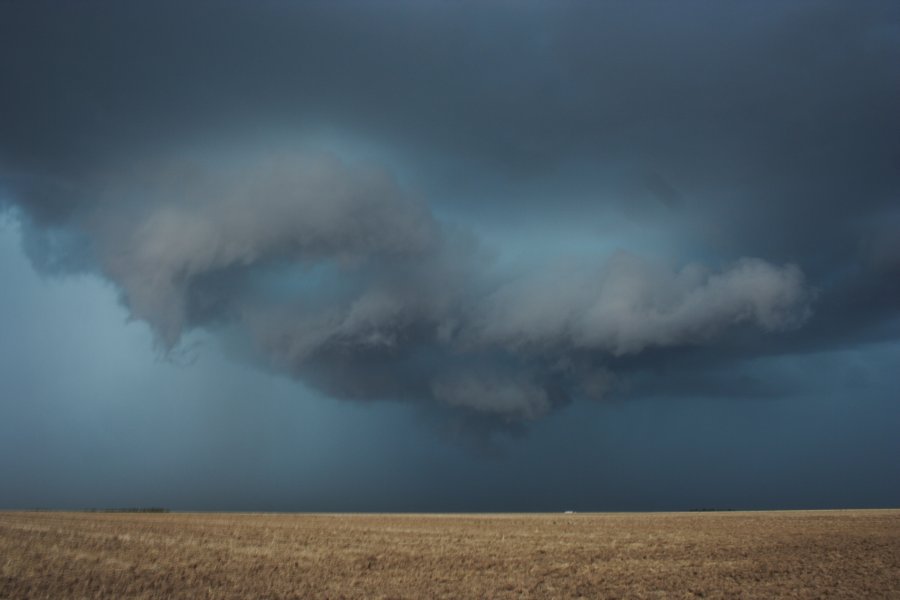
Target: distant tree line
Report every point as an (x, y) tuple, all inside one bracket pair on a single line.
[(149, 509)]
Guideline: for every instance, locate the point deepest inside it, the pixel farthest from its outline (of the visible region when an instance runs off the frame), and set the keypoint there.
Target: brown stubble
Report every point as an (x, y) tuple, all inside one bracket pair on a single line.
[(807, 554)]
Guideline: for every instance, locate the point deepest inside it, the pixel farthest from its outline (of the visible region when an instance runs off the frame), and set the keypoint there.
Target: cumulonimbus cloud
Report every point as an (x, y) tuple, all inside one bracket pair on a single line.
[(707, 178), (336, 274)]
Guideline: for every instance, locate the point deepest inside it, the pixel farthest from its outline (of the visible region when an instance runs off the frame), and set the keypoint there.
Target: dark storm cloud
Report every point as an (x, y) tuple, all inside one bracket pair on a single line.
[(335, 274), (147, 142)]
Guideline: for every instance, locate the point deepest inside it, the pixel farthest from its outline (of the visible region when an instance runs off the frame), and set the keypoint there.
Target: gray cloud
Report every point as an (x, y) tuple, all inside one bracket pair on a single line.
[(750, 151), (193, 224), (328, 268), (629, 305), (493, 395)]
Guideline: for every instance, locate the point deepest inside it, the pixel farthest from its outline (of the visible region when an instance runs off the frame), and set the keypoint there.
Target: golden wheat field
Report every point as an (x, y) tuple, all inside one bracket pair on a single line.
[(805, 554)]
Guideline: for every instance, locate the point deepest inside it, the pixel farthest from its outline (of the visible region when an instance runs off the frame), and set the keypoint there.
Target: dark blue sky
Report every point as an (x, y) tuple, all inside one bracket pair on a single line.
[(448, 256)]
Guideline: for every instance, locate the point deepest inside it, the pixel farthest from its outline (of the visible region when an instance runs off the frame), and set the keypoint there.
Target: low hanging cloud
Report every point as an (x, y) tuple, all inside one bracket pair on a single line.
[(543, 203), (291, 209), (629, 304), (334, 273), (521, 399)]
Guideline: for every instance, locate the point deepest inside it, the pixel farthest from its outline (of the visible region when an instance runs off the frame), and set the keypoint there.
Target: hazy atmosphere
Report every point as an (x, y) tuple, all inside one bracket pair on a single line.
[(449, 256)]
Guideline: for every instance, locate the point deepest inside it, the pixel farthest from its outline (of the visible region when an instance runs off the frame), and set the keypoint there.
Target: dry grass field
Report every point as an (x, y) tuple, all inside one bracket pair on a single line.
[(839, 554)]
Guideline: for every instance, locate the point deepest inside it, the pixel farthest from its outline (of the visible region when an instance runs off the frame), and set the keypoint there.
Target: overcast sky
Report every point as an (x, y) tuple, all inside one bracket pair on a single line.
[(449, 255)]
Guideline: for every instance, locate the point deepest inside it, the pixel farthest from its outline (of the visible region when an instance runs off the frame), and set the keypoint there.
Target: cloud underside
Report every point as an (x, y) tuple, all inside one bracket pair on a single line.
[(485, 209), (337, 275)]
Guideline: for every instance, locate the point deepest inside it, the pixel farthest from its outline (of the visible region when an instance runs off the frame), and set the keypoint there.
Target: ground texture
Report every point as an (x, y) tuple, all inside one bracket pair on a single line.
[(839, 554)]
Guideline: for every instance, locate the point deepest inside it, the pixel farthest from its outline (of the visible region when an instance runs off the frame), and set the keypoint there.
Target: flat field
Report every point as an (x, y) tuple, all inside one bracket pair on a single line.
[(839, 554)]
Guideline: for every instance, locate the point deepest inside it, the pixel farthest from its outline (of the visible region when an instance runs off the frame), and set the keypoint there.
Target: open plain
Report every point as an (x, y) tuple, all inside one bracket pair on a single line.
[(805, 554)]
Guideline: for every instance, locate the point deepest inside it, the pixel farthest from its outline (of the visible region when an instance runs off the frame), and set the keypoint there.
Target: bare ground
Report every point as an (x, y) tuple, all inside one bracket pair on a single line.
[(804, 554)]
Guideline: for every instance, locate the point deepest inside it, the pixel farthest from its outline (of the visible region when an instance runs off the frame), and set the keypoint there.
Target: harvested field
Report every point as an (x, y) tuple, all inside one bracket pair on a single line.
[(839, 554)]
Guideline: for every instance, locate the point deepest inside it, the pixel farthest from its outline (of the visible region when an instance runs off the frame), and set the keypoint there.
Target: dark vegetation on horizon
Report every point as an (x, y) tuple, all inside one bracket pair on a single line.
[(149, 509)]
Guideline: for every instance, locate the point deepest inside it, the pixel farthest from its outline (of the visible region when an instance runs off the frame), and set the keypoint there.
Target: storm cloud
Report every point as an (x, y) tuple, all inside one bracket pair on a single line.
[(495, 209)]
